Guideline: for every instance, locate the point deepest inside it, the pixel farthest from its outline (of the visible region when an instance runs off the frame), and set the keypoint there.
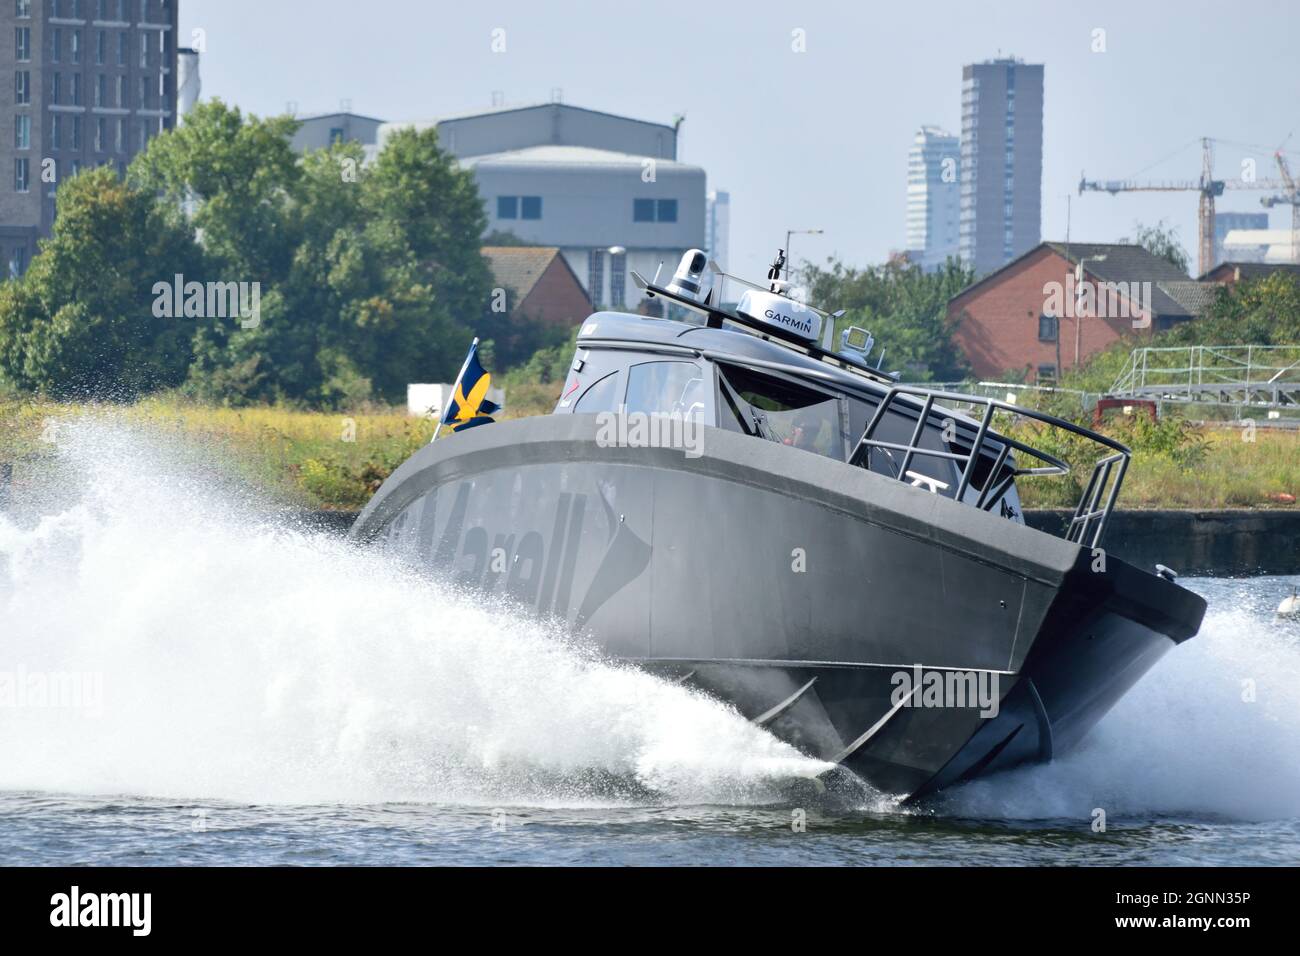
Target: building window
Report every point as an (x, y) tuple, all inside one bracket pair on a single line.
[(101, 90), (119, 141), (22, 88), (336, 134), (18, 262), (530, 207), (56, 131), (1048, 328), (617, 279), (507, 207), (56, 88), (101, 134), (121, 91), (121, 10), (56, 45), (23, 9), (22, 181), (76, 46), (144, 92), (654, 210), (1047, 373), (596, 275), (22, 131), (144, 49), (76, 141), (101, 47), (121, 48), (76, 89), (23, 44)]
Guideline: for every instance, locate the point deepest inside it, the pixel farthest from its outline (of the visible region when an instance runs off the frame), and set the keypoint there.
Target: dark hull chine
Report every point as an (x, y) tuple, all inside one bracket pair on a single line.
[(803, 591)]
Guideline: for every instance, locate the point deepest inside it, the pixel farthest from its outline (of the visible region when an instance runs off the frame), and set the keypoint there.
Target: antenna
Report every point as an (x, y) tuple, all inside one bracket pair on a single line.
[(774, 273)]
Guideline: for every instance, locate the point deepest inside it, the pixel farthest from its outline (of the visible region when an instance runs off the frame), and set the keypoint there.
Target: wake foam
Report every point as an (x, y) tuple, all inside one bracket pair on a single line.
[(246, 661), (1186, 741)]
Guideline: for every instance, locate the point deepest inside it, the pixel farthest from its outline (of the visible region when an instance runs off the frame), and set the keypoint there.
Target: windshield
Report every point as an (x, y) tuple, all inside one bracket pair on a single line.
[(781, 411)]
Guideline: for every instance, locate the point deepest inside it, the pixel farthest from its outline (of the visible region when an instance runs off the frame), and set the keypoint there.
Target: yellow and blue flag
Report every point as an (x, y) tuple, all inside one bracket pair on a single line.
[(469, 405)]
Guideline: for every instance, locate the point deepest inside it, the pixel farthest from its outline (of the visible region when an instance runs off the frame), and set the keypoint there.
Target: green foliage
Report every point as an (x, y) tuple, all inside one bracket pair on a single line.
[(80, 321), (903, 306), (1264, 311), (343, 483), (370, 277), (1161, 240), (376, 279)]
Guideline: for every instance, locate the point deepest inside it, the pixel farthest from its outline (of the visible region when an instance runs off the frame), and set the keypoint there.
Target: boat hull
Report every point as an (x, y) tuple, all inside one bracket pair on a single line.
[(817, 598)]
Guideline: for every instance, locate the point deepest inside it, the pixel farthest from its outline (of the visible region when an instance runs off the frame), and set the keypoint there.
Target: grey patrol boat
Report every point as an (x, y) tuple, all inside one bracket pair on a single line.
[(734, 502)]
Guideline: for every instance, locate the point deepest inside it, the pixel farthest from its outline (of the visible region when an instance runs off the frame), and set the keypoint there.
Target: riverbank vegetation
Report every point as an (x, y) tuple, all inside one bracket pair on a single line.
[(336, 460)]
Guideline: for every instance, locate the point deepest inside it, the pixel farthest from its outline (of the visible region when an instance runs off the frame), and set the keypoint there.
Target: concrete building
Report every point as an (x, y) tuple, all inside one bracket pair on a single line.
[(93, 80), (189, 86), (717, 229), (1031, 316), (325, 129), (1226, 222), (933, 197), (1001, 162), (606, 190), (1258, 245)]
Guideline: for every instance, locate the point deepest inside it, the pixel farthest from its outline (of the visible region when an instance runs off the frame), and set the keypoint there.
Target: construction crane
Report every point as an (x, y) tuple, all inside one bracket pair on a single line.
[(1207, 186), (1291, 197)]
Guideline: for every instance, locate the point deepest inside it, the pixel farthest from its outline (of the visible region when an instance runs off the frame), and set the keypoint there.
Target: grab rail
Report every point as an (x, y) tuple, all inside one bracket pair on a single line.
[(1088, 523)]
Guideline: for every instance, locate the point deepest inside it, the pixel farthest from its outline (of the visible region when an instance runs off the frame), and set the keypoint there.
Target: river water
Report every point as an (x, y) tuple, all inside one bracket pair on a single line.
[(191, 682)]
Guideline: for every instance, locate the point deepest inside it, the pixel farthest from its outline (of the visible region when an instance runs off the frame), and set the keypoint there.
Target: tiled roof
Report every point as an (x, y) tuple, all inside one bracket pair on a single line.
[(1123, 262), (519, 267), (1195, 297)]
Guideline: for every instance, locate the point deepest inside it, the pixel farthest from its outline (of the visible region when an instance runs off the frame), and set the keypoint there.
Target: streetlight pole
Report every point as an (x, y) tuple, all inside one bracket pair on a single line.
[(789, 259), (1078, 317), (610, 253)]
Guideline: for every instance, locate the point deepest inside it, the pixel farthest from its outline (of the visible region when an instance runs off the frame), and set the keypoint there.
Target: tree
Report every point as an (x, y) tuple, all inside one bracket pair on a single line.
[(81, 322), (371, 274), (1161, 240), (904, 307), (1263, 311)]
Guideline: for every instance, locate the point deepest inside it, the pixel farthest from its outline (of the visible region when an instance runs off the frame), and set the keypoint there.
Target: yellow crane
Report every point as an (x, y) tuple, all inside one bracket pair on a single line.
[(1209, 189), (1290, 196)]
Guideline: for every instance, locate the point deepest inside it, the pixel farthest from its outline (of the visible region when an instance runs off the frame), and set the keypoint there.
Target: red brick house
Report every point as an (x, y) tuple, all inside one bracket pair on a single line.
[(1032, 316), (540, 285)]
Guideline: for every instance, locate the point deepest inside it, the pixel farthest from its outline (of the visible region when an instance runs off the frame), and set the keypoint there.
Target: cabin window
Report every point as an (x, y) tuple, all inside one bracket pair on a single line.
[(668, 388), (600, 397), (781, 411)]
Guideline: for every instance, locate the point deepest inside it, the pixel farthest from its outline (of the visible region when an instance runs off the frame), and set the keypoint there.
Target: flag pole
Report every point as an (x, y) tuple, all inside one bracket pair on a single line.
[(442, 413)]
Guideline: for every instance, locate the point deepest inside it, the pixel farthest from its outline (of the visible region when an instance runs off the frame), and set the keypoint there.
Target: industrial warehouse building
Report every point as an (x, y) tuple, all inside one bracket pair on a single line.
[(606, 190)]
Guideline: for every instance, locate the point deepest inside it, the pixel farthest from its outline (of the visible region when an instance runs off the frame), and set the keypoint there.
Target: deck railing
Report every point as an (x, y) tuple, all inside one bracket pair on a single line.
[(1091, 514)]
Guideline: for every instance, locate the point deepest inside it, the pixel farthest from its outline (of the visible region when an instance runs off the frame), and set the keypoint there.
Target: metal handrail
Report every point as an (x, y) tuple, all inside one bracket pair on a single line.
[(1088, 523)]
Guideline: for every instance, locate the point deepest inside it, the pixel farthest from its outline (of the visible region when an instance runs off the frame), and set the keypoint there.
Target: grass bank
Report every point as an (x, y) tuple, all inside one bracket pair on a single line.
[(337, 460)]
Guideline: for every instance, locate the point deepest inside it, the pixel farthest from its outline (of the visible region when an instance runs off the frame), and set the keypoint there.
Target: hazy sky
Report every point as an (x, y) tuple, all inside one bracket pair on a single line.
[(817, 139)]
